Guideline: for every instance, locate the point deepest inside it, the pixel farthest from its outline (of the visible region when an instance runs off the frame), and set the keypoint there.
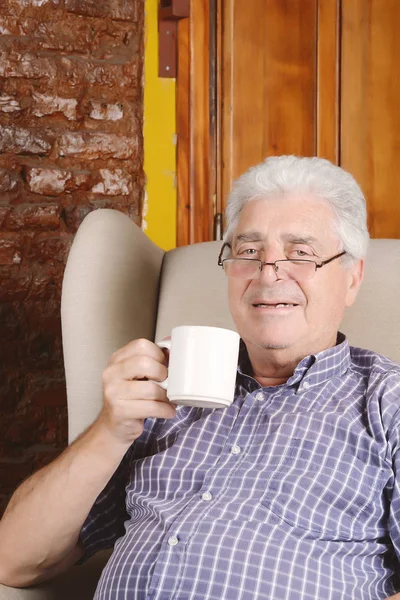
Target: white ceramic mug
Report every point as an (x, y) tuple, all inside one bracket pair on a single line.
[(202, 366)]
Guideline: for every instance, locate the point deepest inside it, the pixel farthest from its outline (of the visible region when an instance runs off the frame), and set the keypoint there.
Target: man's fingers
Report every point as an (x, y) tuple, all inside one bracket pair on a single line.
[(134, 391), (139, 347), (140, 400), (137, 367), (155, 409)]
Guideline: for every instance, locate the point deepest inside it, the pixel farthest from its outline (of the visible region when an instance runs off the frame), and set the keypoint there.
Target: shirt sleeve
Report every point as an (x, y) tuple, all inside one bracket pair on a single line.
[(392, 392), (105, 521)]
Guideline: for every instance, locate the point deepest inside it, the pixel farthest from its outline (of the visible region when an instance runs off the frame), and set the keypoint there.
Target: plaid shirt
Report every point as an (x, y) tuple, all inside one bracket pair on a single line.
[(293, 492)]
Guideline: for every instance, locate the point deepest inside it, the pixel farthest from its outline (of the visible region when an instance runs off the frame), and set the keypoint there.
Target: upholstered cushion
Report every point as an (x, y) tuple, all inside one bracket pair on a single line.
[(109, 297), (373, 322)]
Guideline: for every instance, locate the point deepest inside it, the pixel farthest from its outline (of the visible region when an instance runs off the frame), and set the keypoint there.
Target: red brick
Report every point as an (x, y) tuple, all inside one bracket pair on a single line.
[(74, 215), (4, 212), (12, 384), (97, 37), (44, 104), (42, 350), (44, 285), (18, 140), (101, 111), (90, 146), (34, 217), (26, 64), (15, 7), (48, 182), (44, 316), (15, 284), (126, 10), (114, 182), (8, 181), (79, 73), (68, 34), (55, 182), (28, 426), (10, 250), (47, 392), (11, 323), (52, 248), (8, 104)]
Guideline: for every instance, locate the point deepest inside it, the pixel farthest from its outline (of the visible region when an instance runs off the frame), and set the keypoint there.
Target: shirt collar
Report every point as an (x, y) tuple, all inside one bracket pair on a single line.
[(311, 370)]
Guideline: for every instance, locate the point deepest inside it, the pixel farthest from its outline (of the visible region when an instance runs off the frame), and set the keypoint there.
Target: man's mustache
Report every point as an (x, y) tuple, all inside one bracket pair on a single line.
[(282, 297)]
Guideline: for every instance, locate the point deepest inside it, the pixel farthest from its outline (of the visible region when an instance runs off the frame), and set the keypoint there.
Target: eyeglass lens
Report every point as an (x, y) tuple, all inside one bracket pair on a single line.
[(250, 269)]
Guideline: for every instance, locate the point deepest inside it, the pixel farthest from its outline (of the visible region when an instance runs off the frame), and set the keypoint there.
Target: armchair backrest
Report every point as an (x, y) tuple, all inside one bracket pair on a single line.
[(119, 286)]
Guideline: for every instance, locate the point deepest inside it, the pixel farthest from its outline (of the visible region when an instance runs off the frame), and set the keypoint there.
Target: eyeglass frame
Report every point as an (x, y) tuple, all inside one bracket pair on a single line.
[(262, 264)]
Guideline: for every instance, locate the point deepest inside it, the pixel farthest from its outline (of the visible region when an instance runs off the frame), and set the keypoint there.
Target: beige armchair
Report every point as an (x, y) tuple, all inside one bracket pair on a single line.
[(119, 286)]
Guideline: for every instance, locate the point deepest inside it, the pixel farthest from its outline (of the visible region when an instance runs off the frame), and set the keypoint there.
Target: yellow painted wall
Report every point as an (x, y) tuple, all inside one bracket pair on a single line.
[(159, 210)]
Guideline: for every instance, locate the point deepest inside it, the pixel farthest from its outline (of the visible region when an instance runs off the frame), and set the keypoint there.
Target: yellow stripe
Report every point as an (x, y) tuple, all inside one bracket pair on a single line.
[(159, 209)]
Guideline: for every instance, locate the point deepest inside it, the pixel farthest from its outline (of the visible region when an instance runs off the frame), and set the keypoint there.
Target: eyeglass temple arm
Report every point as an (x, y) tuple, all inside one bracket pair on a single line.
[(225, 245), (325, 262)]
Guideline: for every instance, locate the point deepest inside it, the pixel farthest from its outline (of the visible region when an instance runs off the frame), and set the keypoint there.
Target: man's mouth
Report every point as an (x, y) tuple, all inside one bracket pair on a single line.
[(274, 305)]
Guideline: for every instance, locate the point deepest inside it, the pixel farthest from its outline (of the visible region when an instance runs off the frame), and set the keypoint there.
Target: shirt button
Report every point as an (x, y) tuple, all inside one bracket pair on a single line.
[(207, 496), (173, 540), (259, 396), (236, 449), (306, 385)]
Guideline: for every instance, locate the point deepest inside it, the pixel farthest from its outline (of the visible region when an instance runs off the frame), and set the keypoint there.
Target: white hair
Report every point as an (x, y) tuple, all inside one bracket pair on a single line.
[(278, 176)]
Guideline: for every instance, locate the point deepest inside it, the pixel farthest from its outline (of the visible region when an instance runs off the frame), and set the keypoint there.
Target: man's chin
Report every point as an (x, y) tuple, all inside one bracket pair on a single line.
[(272, 346), (277, 340), (267, 343)]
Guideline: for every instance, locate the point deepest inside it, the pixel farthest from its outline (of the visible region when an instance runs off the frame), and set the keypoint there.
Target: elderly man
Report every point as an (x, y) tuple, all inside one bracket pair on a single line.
[(291, 492)]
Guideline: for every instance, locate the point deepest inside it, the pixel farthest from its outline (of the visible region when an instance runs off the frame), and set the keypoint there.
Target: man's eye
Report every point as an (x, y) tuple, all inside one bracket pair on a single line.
[(248, 251), (301, 254)]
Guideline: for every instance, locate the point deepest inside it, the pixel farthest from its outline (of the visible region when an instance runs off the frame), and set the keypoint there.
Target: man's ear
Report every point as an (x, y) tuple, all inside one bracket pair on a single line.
[(355, 277)]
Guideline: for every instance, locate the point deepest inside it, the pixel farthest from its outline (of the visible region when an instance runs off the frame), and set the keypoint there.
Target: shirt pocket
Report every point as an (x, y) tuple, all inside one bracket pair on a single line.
[(324, 492)]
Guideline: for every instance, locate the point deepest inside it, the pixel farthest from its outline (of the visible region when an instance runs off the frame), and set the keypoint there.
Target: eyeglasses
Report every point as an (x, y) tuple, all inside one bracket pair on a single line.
[(250, 268)]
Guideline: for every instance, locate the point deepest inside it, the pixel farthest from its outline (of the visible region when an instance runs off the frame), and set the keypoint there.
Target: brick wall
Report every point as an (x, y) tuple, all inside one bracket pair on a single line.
[(70, 142)]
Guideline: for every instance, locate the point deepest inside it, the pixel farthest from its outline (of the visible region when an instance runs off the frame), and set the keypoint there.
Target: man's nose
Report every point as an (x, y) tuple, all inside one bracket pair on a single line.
[(268, 273)]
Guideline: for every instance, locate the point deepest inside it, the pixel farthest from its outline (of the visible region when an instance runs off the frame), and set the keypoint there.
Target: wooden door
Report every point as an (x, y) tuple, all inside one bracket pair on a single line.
[(305, 77), (268, 82), (196, 125), (370, 107)]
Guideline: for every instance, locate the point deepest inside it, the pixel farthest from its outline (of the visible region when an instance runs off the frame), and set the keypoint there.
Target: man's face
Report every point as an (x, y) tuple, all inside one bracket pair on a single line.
[(290, 227)]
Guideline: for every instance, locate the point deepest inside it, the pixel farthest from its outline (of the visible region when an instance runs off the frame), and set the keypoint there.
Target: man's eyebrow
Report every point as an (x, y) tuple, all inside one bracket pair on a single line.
[(300, 239), (250, 236)]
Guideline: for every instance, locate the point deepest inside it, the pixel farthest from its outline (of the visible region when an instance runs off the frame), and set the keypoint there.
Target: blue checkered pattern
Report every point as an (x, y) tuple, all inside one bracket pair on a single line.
[(293, 492)]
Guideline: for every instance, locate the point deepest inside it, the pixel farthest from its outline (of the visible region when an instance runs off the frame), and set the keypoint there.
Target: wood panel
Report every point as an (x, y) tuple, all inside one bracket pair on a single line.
[(196, 177), (328, 79), (202, 209), (268, 82), (370, 117), (183, 135)]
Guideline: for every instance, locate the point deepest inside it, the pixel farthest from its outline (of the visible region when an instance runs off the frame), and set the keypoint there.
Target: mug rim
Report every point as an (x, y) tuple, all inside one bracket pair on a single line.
[(205, 327)]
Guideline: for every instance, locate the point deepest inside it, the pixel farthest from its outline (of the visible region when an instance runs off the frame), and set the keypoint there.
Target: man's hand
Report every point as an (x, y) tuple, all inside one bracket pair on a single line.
[(129, 396)]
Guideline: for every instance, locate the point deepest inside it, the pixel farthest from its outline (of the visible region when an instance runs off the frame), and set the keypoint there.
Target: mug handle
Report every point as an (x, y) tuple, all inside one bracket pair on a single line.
[(163, 344)]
